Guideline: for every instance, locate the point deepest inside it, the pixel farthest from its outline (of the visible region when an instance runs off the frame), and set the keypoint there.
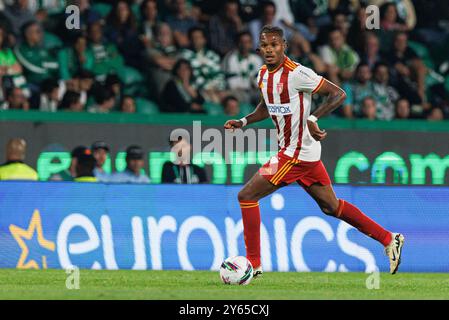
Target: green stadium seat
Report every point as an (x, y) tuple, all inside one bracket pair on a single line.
[(52, 41), (130, 76), (144, 106), (135, 8), (133, 81), (420, 49), (213, 109), (102, 8)]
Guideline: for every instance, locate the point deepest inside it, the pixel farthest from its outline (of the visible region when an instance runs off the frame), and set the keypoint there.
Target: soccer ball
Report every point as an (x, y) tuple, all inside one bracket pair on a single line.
[(236, 270)]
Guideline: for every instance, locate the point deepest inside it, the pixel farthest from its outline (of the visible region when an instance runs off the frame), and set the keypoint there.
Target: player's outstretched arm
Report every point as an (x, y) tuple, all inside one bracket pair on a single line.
[(259, 114), (335, 97)]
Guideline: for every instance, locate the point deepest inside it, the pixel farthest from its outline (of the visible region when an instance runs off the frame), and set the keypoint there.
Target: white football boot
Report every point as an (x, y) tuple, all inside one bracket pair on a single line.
[(394, 251), (257, 273)]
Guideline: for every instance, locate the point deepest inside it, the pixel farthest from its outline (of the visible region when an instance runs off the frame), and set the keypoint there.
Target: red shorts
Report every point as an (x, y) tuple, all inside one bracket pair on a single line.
[(282, 169)]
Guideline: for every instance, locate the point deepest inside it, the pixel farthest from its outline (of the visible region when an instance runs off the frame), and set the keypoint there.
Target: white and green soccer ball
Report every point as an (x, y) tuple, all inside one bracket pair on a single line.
[(236, 270)]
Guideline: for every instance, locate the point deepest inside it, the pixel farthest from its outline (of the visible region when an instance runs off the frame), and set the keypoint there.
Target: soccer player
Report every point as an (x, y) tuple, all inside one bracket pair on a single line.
[(287, 89)]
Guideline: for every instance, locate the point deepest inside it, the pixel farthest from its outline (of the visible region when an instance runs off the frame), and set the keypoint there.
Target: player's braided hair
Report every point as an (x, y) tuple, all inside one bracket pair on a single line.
[(272, 29)]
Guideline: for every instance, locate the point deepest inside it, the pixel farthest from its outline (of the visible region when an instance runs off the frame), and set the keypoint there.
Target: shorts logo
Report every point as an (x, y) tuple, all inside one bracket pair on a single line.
[(280, 87)]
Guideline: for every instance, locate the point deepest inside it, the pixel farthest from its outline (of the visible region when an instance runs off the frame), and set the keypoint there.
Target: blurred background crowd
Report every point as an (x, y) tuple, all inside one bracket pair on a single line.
[(200, 56)]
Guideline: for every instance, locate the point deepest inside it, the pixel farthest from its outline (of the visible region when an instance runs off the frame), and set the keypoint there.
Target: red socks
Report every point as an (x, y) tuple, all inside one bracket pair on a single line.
[(251, 230), (346, 212), (352, 215)]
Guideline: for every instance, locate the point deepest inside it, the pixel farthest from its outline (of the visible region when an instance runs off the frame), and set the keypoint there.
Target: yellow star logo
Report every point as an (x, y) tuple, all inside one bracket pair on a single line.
[(19, 234)]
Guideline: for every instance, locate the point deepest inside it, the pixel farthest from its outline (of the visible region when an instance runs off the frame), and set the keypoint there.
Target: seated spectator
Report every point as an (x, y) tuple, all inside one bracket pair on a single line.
[(231, 106), (69, 173), (407, 70), (71, 101), (369, 108), (10, 69), (389, 19), (402, 109), (149, 24), (179, 95), (180, 22), (100, 151), (339, 22), (356, 91), (299, 50), (339, 58), (104, 101), (15, 100), (385, 94), (224, 27), (128, 105), (207, 74), (49, 99), (121, 29), (267, 17), (17, 14), (241, 66), (181, 171), (391, 22), (358, 32), (14, 168), (82, 83), (85, 80), (436, 114), (134, 167), (114, 84), (371, 52), (107, 59), (75, 58), (162, 57), (38, 62), (85, 166)]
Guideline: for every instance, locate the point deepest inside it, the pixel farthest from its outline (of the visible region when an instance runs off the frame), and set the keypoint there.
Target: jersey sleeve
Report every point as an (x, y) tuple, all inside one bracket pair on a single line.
[(259, 73), (306, 80)]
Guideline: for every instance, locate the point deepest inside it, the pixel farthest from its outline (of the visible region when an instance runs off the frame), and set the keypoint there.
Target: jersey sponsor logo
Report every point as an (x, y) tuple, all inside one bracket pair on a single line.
[(279, 110), (279, 87)]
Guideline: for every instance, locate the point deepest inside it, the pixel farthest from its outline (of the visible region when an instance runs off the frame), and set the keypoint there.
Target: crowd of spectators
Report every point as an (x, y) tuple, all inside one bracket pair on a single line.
[(188, 54), (88, 164)]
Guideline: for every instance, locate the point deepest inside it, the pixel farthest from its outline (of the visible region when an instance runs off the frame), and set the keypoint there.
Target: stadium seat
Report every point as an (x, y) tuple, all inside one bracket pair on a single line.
[(129, 75), (213, 109), (51, 41), (144, 106), (102, 8), (136, 11), (132, 80)]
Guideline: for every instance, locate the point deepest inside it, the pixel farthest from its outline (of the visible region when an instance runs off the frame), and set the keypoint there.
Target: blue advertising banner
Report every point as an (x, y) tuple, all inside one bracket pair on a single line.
[(195, 227)]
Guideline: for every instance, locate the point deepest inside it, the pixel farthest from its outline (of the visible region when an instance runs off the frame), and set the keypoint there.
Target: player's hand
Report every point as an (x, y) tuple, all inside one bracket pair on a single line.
[(315, 131), (233, 124)]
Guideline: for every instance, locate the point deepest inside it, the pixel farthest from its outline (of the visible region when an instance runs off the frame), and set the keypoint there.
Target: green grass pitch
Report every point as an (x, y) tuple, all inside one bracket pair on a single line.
[(172, 285)]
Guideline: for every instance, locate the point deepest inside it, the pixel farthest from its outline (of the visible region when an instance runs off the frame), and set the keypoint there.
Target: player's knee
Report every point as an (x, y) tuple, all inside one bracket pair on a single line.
[(243, 195), (329, 209)]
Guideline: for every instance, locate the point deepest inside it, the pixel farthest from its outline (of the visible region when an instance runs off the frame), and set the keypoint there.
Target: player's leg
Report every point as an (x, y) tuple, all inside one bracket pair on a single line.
[(254, 190), (325, 197), (343, 210)]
